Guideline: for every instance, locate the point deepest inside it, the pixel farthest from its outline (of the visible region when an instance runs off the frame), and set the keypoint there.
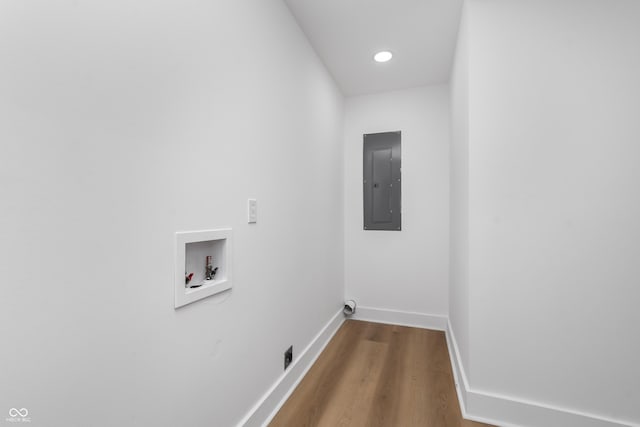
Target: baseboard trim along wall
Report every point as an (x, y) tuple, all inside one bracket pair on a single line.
[(403, 318), (268, 406), (482, 406), (507, 411), (475, 404)]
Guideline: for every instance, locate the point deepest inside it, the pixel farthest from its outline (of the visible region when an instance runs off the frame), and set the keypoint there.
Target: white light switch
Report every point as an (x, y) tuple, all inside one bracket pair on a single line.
[(253, 211)]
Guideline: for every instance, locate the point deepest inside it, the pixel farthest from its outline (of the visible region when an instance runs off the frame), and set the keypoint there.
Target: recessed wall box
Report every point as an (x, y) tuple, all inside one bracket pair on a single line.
[(203, 264)]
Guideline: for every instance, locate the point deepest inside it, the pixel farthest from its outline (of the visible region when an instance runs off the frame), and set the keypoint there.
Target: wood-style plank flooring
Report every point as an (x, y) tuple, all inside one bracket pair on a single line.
[(373, 375)]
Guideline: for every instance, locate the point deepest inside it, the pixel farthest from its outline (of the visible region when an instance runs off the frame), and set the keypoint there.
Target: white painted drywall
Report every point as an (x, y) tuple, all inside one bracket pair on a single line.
[(459, 195), (406, 270), (554, 206), (124, 122)]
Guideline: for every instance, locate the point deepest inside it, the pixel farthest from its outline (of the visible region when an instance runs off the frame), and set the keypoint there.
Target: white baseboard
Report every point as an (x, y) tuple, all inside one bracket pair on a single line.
[(507, 411), (475, 404), (403, 318), (268, 406)]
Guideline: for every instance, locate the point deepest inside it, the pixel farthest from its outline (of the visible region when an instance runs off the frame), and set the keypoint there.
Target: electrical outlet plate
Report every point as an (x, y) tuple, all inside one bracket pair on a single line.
[(288, 357)]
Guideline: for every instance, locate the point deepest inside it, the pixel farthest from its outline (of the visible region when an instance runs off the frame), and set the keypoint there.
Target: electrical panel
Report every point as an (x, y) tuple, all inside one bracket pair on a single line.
[(382, 182)]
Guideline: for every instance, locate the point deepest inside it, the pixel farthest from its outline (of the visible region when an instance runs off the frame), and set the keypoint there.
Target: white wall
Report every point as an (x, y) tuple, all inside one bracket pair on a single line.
[(407, 270), (554, 206), (459, 195), (124, 122)]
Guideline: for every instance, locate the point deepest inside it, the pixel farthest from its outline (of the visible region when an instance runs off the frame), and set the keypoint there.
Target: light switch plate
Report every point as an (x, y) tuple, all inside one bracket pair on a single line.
[(253, 211)]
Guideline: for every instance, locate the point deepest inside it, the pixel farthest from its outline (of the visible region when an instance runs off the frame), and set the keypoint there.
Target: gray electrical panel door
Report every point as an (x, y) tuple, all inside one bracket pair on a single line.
[(382, 184)]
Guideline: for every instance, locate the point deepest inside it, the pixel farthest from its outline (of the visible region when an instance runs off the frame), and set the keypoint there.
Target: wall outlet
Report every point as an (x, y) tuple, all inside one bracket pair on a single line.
[(288, 357)]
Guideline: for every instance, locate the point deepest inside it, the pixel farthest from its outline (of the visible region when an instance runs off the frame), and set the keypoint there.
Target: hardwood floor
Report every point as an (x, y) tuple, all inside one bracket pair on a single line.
[(373, 375)]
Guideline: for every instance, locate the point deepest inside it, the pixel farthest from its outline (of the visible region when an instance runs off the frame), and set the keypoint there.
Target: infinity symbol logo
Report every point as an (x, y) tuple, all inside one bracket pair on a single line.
[(13, 412)]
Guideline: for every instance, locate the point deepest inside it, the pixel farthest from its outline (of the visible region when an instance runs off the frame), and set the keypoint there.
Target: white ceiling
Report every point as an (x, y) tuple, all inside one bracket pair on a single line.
[(346, 34)]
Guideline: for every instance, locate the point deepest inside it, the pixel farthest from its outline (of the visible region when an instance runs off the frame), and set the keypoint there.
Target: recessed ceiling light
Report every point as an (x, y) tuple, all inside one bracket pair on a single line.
[(383, 56)]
